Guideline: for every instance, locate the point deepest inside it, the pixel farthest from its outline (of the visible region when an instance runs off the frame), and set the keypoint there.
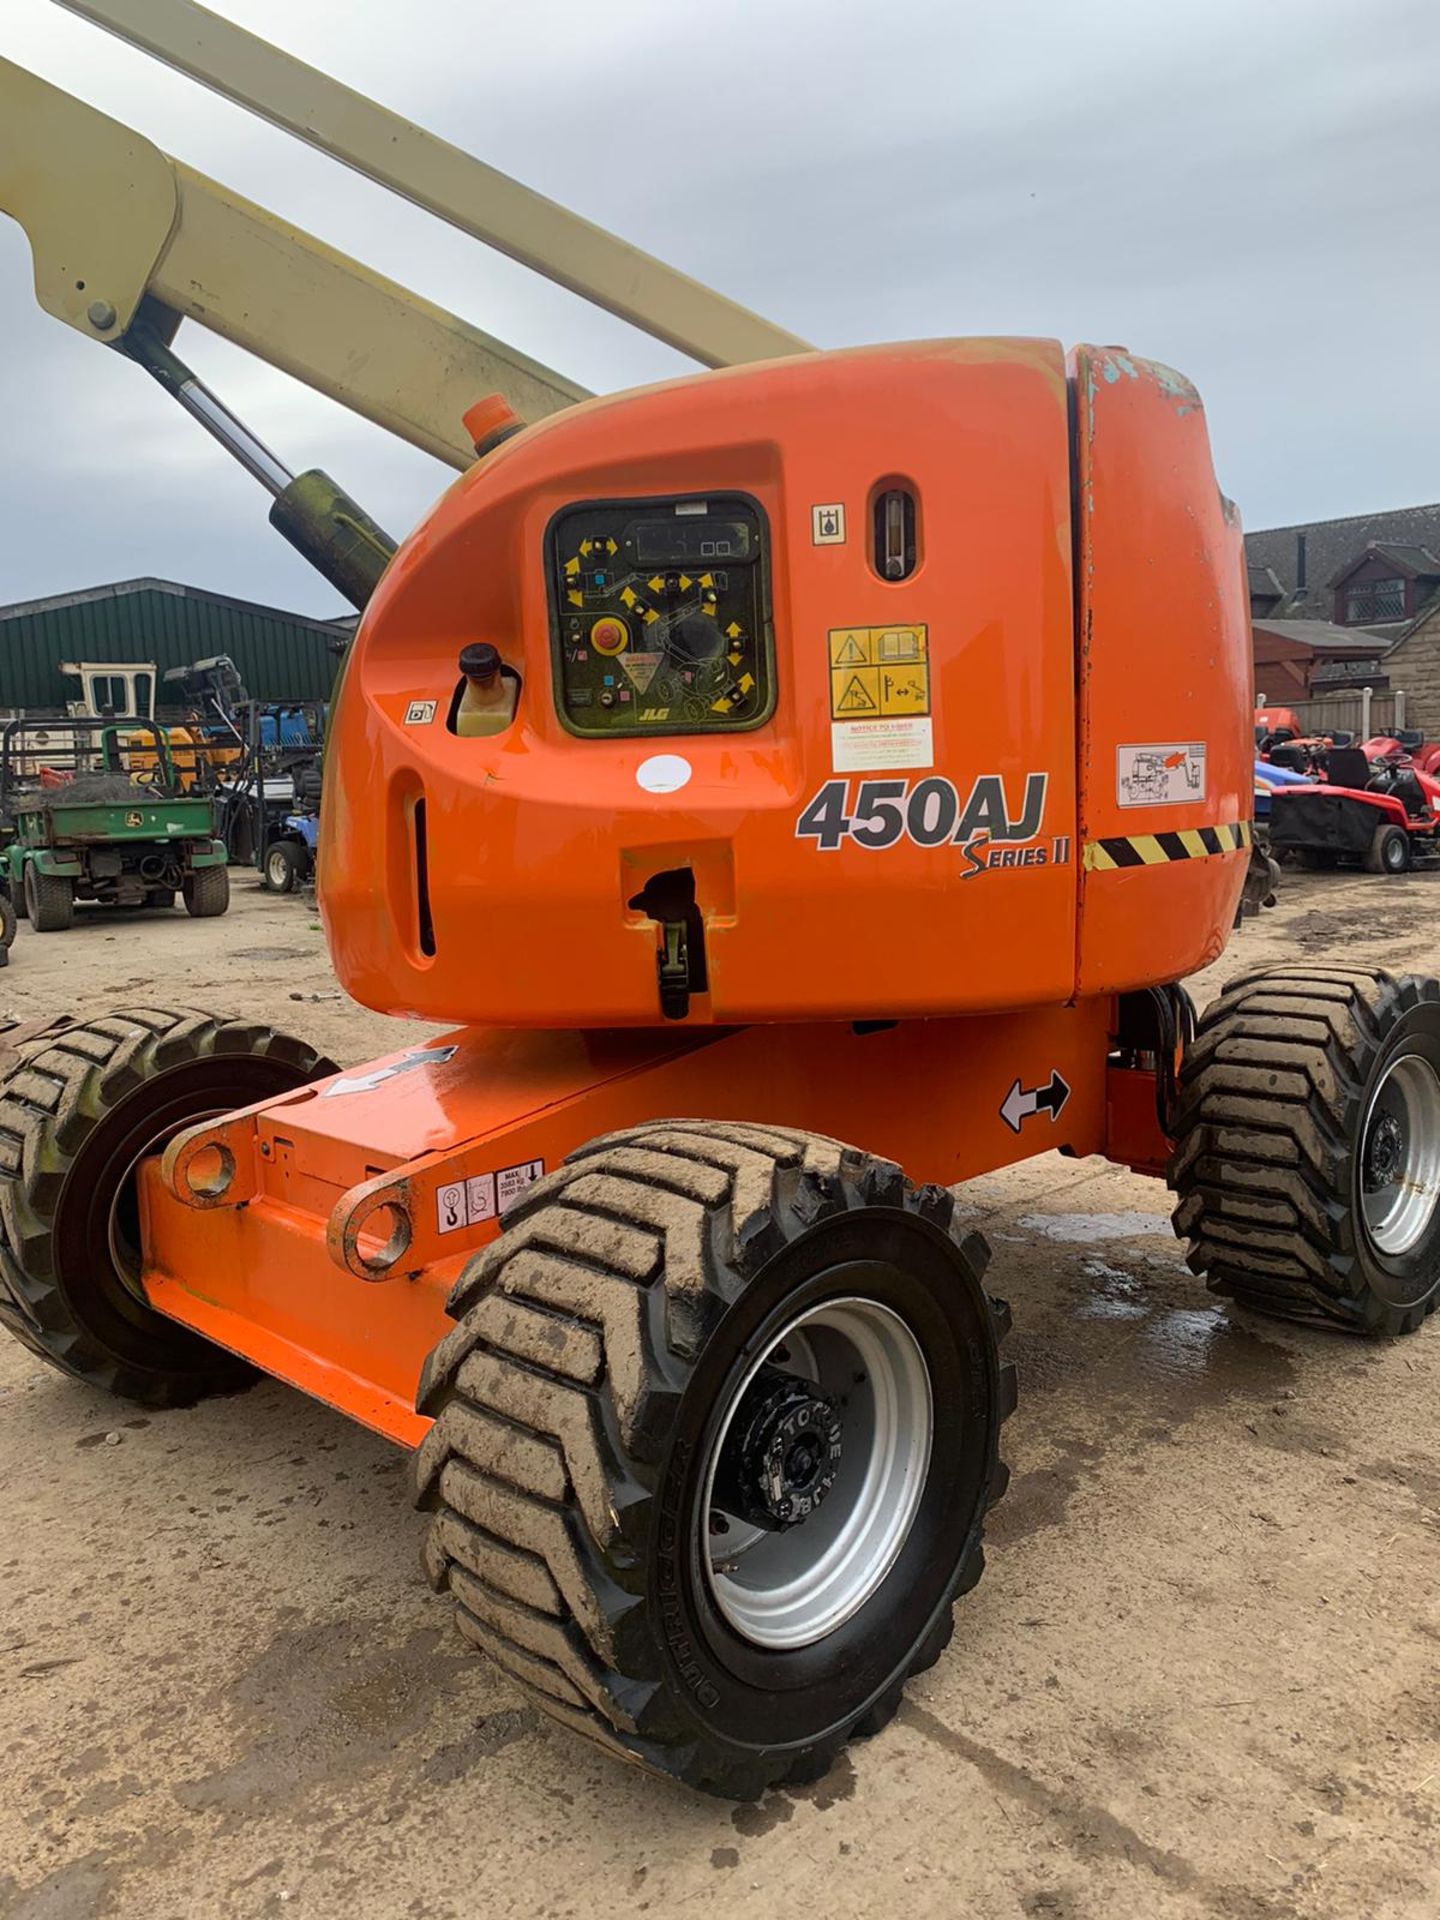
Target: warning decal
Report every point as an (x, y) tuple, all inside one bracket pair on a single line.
[(858, 696), (470, 1203), (642, 668), (1163, 775), (879, 672)]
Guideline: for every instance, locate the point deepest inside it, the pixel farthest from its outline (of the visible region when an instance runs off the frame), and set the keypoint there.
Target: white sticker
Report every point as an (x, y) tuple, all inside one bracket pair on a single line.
[(827, 525), (480, 1197), (470, 1203), (1163, 775), (663, 773), (377, 1076), (862, 746), (451, 1212), (511, 1182), (419, 713)]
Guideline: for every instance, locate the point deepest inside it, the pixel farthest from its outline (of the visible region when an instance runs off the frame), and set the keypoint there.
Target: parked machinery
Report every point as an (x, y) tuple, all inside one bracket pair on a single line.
[(1370, 806), (104, 816), (852, 793)]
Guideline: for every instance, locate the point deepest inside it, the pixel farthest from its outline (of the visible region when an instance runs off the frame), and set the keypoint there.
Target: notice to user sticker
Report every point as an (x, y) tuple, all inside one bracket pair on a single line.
[(870, 746)]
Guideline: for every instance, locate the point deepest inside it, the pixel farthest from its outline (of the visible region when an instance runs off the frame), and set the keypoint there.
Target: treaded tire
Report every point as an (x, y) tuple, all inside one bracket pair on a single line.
[(596, 1339), (49, 899), (1275, 1093), (9, 923), (207, 892), (282, 867), (81, 1102), (1389, 851)]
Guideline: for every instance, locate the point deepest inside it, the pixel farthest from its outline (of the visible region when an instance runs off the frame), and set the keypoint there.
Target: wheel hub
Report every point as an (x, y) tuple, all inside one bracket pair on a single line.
[(816, 1472), (1399, 1161), (1385, 1153), (782, 1454)]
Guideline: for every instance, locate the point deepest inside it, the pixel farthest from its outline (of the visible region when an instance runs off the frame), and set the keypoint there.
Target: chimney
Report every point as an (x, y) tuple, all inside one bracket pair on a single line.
[(1299, 563)]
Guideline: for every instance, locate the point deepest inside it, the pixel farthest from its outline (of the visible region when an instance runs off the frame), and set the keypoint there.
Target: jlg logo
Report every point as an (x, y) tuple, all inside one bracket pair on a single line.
[(929, 813)]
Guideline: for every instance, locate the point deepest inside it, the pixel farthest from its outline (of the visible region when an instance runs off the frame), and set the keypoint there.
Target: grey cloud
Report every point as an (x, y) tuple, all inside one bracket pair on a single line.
[(1249, 192)]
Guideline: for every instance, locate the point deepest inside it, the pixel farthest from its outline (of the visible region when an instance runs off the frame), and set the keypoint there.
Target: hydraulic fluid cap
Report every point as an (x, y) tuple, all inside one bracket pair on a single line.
[(490, 421), (609, 635), (479, 662)]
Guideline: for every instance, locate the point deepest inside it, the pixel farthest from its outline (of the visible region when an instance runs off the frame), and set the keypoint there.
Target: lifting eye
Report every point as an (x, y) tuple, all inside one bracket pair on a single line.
[(893, 533)]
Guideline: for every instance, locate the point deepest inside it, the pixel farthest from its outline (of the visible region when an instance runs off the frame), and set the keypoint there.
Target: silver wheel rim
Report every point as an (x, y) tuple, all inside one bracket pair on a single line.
[(789, 1589), (279, 867), (1400, 1154)]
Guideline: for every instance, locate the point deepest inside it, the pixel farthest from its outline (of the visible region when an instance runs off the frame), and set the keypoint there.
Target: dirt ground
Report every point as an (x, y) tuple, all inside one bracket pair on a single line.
[(1198, 1678)]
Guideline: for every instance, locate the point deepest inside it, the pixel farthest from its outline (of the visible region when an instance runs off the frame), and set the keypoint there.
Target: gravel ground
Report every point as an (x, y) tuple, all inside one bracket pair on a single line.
[(1198, 1678)]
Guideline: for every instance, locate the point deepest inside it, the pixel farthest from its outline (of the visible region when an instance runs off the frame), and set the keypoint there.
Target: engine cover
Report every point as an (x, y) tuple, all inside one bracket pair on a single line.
[(801, 709)]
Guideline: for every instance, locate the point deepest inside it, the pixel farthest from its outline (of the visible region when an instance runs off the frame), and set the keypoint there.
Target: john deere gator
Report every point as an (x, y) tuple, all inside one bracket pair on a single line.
[(95, 811)]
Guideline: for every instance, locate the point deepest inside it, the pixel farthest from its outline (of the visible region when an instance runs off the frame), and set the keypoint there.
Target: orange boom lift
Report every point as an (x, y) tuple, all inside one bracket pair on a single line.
[(781, 757)]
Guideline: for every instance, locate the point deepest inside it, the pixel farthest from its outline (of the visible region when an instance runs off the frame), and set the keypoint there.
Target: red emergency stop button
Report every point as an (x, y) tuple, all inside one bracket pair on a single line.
[(609, 635)]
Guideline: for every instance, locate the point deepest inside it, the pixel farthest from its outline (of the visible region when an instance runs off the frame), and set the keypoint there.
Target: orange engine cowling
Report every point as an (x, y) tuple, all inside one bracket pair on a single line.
[(891, 682)]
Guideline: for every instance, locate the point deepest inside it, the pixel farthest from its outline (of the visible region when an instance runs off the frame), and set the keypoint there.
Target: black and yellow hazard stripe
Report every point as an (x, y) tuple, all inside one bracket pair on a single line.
[(1155, 849)]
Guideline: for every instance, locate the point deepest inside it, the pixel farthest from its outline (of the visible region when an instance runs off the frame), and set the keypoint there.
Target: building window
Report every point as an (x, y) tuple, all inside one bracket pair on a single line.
[(1375, 600)]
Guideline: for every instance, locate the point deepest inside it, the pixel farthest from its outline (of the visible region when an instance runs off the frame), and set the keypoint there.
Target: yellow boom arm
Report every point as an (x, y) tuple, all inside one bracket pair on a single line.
[(111, 220), (127, 242)]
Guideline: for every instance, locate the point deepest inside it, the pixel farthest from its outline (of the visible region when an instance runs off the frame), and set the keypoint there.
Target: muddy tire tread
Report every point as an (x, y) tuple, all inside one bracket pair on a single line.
[(1270, 1093), (62, 1081), (552, 1400)]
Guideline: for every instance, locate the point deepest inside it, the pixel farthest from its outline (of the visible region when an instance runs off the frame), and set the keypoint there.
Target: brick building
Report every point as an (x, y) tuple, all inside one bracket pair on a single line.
[(1360, 597)]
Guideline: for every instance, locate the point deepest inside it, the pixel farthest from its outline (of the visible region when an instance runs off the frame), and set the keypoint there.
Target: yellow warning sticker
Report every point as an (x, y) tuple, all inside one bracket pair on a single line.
[(850, 647), (854, 692), (876, 672)]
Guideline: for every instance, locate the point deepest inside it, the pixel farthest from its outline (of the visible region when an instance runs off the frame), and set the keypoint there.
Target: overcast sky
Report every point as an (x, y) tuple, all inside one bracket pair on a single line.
[(1248, 191)]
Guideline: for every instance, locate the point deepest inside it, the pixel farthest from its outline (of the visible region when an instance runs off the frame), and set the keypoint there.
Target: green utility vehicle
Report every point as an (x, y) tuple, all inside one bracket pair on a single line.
[(96, 811)]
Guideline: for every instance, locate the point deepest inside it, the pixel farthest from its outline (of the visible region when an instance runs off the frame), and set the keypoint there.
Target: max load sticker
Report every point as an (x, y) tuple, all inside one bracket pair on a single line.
[(488, 1196), (1166, 775), (880, 698)]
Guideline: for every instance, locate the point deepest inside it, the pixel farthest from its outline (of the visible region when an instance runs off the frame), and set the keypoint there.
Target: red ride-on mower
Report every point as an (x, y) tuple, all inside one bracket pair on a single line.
[(1381, 814)]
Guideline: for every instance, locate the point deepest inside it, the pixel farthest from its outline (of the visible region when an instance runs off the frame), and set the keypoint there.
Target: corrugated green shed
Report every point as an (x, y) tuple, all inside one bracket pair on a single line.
[(281, 656)]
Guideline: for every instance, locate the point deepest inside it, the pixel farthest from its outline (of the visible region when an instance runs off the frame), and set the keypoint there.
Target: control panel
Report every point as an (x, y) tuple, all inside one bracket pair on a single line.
[(661, 616)]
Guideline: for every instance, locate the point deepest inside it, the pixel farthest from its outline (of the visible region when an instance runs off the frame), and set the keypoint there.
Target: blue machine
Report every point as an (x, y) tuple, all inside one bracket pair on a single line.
[(1268, 778)]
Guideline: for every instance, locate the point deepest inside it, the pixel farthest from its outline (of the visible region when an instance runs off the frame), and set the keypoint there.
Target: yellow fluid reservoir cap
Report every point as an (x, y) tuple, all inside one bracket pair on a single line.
[(609, 635)]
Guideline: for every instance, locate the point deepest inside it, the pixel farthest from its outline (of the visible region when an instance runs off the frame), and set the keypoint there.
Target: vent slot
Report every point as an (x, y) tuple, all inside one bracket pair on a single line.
[(894, 528), (425, 926)]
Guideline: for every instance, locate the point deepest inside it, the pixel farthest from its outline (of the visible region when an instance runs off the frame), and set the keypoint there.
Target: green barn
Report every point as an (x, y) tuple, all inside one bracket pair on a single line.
[(280, 656)]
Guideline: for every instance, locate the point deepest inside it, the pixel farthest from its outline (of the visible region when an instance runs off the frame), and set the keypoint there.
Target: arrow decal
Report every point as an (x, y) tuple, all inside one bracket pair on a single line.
[(367, 1082), (1021, 1103)]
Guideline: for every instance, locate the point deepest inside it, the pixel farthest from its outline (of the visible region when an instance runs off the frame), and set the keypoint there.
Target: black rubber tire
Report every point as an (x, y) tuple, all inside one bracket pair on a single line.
[(282, 866), (82, 1102), (597, 1337), (1275, 1091), (1318, 859), (207, 892), (9, 923), (1389, 851), (49, 900)]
